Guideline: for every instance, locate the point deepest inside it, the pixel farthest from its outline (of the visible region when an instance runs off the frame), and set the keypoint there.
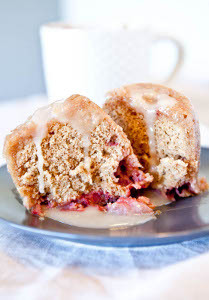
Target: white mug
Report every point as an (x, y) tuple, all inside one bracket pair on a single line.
[(92, 61)]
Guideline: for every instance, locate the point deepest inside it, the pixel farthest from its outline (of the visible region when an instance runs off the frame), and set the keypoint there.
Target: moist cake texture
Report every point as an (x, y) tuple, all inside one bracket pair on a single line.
[(164, 133), (71, 154)]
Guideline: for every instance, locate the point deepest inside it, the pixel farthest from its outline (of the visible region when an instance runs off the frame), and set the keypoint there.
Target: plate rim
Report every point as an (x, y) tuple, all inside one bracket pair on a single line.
[(147, 240), (142, 241)]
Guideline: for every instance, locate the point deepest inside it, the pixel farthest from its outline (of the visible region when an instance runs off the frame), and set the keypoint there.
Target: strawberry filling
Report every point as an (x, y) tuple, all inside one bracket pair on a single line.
[(129, 176), (130, 206), (187, 189)]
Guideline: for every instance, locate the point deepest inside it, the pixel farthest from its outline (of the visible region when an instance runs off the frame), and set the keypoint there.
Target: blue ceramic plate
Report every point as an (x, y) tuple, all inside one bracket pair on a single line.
[(183, 220)]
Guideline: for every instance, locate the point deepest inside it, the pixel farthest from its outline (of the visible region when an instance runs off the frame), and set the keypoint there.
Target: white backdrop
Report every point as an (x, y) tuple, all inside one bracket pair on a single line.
[(187, 20)]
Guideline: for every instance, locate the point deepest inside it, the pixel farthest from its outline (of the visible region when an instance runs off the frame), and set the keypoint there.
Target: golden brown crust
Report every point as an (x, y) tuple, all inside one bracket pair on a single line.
[(65, 172), (176, 131), (182, 113), (22, 134)]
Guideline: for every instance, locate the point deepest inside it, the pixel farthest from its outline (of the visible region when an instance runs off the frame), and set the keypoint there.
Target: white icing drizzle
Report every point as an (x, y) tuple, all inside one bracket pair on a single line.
[(156, 198), (40, 118), (83, 121), (40, 163), (91, 217), (148, 102)]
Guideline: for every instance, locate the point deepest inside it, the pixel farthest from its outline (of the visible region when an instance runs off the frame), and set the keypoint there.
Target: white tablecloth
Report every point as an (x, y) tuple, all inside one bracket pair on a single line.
[(36, 267)]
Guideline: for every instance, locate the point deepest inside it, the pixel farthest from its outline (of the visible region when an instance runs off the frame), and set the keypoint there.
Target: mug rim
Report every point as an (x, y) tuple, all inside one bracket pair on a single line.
[(59, 25)]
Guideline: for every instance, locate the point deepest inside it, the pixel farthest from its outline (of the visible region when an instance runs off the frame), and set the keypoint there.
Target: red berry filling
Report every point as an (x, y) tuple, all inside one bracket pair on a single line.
[(127, 206), (129, 176)]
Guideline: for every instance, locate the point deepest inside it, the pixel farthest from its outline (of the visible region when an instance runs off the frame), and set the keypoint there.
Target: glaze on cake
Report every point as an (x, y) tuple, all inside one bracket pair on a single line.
[(70, 155), (164, 133)]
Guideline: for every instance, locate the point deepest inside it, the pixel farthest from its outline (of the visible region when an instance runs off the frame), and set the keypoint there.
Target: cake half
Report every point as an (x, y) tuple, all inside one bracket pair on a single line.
[(70, 155), (164, 133)]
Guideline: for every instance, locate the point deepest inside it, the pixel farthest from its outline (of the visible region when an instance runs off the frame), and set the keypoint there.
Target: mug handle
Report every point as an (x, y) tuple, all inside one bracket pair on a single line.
[(180, 55)]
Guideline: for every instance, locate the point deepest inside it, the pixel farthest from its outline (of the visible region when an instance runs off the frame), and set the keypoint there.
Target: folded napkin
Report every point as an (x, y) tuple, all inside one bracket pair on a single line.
[(37, 267)]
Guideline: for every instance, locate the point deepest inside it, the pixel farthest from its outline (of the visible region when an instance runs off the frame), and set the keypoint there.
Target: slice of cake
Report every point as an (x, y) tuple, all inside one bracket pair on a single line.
[(164, 133), (70, 155)]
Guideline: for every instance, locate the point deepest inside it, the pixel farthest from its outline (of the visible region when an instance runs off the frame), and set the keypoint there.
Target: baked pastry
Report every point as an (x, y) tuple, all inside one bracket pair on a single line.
[(164, 133), (70, 155)]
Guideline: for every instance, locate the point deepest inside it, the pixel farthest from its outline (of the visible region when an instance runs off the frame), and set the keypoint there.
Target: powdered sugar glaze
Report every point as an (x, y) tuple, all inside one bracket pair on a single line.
[(83, 121), (91, 217), (148, 102)]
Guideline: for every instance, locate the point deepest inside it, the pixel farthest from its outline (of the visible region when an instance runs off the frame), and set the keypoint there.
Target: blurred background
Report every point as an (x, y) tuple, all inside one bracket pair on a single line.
[(21, 72)]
